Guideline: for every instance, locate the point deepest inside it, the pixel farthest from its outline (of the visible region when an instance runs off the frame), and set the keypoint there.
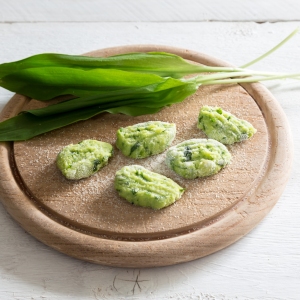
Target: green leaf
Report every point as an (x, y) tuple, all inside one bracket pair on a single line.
[(133, 102), (47, 83), (26, 125), (159, 63), (163, 93)]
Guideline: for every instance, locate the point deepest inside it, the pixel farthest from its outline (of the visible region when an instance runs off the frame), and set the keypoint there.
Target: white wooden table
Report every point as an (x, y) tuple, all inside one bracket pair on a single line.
[(263, 265)]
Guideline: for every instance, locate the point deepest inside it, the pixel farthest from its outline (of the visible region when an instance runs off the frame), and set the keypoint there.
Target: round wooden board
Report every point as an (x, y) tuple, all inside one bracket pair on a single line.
[(86, 219)]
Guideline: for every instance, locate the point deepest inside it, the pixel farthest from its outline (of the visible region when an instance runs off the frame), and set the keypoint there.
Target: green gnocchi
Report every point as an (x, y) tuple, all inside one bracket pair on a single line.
[(77, 161), (142, 187), (223, 126), (197, 158), (145, 139)]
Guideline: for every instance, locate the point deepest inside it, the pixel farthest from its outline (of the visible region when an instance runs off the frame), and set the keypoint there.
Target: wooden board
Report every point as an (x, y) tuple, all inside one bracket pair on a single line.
[(86, 219)]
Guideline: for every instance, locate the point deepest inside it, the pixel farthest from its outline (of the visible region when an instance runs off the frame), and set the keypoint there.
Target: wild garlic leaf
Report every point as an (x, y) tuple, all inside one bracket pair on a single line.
[(133, 102), (159, 63)]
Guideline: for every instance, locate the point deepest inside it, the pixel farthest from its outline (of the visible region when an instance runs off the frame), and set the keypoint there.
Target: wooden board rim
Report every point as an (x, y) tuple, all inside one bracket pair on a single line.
[(234, 223)]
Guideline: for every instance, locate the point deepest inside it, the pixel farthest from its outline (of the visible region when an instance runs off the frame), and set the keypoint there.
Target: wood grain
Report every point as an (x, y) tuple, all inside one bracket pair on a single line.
[(89, 221), (148, 11)]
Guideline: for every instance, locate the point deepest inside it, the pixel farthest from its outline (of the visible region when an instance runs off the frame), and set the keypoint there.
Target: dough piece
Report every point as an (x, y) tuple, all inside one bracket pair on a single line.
[(197, 158), (142, 187), (77, 161), (223, 126), (145, 139)]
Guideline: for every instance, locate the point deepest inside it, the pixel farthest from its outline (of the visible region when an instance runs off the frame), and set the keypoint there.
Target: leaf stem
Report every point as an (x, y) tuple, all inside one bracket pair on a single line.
[(272, 50), (200, 79), (251, 79)]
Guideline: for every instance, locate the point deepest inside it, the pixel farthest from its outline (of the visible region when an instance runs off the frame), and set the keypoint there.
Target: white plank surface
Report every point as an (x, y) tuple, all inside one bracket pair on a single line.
[(264, 265), (148, 11)]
